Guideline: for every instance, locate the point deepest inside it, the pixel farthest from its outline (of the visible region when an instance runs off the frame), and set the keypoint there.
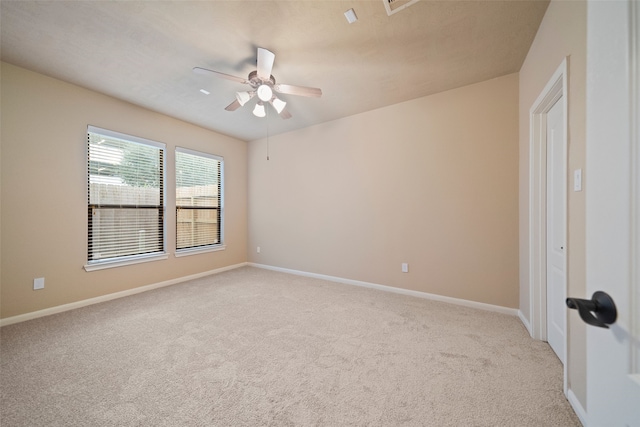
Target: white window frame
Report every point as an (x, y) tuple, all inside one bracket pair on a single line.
[(93, 265), (216, 246)]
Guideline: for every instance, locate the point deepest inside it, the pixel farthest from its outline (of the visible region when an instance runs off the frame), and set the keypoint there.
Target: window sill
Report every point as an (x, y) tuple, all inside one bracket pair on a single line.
[(186, 252), (101, 265)]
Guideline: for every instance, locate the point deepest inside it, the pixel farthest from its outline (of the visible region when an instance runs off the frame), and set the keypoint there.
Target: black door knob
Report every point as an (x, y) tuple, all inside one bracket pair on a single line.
[(599, 311)]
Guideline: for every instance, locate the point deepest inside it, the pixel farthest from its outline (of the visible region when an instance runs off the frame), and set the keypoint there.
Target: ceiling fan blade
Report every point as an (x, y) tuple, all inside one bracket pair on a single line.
[(298, 90), (207, 72), (233, 106), (265, 63), (285, 114)]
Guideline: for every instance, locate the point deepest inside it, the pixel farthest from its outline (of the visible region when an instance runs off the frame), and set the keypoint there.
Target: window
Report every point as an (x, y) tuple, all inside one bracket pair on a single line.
[(126, 199), (198, 201)]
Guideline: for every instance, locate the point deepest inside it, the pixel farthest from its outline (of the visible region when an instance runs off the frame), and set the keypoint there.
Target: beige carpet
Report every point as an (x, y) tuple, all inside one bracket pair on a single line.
[(252, 347)]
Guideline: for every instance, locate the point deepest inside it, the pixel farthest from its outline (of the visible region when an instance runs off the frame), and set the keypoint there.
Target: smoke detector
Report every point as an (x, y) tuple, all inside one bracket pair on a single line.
[(394, 6)]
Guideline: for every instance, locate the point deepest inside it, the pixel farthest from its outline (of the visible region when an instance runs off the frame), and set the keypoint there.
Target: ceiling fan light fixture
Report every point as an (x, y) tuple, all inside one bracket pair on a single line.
[(259, 110), (243, 97), (264, 85), (278, 104), (264, 93)]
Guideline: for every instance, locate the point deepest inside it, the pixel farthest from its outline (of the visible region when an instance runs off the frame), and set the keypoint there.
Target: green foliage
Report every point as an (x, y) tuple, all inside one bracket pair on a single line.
[(136, 165), (192, 170), (141, 166)]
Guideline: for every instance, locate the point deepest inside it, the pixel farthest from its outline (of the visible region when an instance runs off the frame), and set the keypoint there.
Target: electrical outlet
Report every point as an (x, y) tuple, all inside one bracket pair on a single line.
[(38, 283), (405, 267), (258, 249)]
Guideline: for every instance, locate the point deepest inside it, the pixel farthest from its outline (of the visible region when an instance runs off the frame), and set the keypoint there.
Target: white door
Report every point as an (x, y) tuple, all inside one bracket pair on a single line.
[(556, 214), (612, 215)]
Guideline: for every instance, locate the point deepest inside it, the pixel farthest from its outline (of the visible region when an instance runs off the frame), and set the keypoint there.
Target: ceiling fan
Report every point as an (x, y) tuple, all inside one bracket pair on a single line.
[(264, 85)]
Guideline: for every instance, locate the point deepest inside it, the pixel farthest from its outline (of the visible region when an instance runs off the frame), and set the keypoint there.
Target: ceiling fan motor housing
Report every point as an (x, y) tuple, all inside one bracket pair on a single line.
[(256, 81)]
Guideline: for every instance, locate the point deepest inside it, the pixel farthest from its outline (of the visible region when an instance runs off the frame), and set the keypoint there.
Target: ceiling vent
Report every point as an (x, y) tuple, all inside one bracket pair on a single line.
[(394, 6)]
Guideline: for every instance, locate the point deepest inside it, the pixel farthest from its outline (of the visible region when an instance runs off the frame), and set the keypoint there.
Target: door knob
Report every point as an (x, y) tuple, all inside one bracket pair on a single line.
[(599, 311)]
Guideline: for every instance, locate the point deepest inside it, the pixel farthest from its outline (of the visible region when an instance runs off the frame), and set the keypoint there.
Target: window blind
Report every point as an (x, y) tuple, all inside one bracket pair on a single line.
[(198, 199), (125, 197)]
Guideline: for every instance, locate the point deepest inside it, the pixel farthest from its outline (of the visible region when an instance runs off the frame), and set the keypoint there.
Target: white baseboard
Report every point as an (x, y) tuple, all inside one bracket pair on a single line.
[(109, 297), (84, 303), (425, 295), (577, 407), (525, 322)]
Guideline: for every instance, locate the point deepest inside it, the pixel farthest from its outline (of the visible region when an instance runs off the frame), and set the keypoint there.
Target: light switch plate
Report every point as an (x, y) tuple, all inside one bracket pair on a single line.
[(577, 180)]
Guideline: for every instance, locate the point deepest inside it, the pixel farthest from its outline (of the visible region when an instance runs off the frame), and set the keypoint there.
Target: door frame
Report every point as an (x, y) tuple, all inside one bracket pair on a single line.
[(634, 66), (554, 91)]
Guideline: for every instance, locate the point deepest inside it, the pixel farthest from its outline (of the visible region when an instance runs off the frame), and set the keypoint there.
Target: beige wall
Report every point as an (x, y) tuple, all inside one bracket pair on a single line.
[(44, 192), (432, 182), (562, 33)]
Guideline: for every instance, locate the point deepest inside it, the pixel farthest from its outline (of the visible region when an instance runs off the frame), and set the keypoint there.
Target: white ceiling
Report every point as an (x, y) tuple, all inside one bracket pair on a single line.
[(143, 52)]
